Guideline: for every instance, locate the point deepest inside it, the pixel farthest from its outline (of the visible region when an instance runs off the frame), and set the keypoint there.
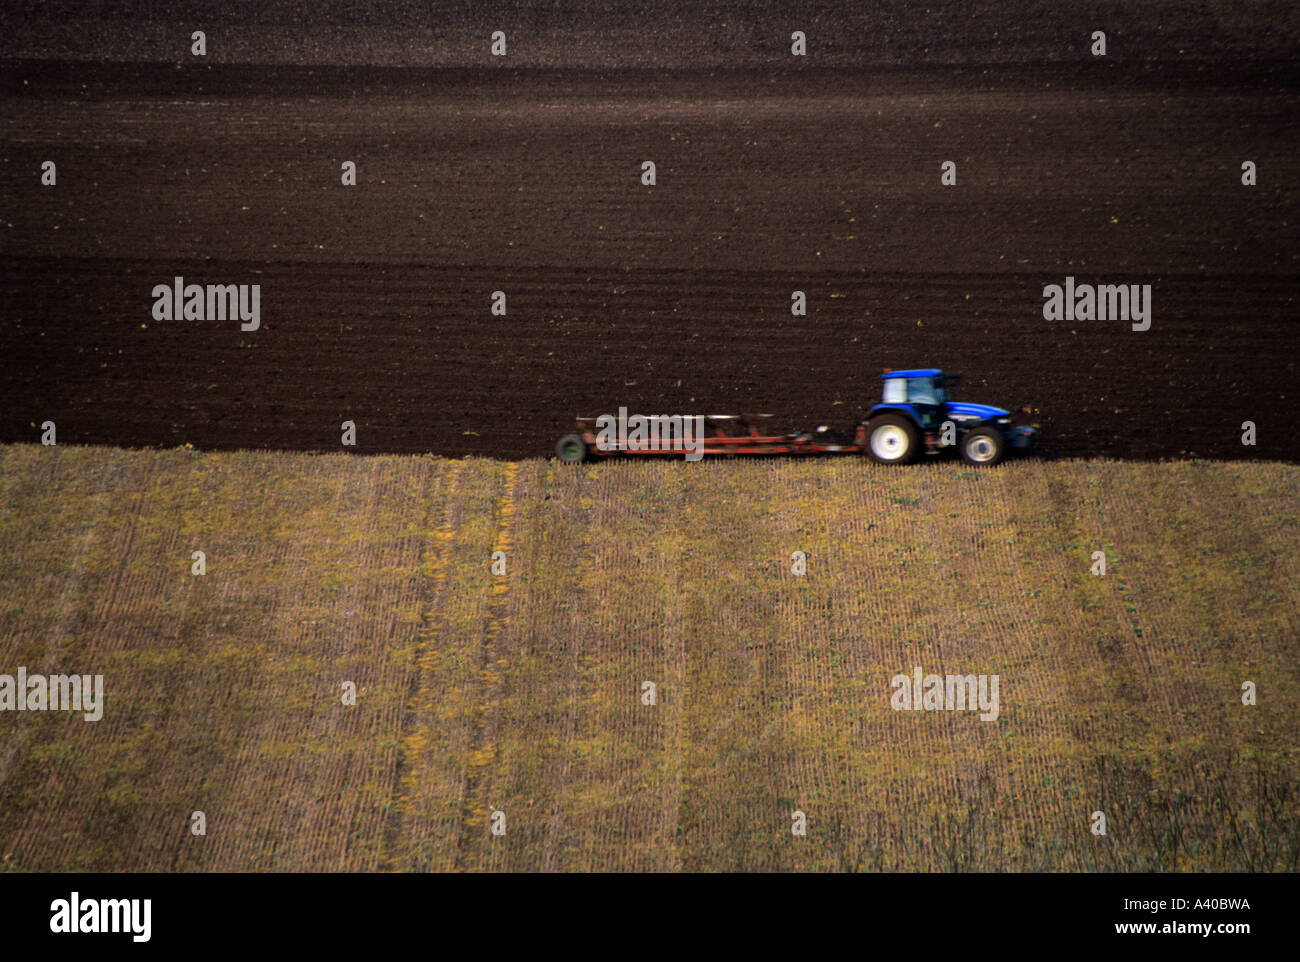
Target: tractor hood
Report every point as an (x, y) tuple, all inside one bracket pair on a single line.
[(975, 410)]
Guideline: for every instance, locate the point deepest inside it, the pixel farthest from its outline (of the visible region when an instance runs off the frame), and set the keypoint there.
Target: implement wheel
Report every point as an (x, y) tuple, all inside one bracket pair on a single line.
[(571, 449)]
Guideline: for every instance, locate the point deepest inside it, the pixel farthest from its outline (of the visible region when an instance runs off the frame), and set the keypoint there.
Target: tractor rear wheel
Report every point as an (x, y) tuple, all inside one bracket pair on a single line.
[(983, 446), (892, 439), (571, 449)]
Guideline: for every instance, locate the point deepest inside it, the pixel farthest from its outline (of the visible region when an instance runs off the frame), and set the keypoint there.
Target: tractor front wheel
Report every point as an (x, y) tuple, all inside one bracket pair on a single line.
[(892, 439), (983, 446), (571, 449)]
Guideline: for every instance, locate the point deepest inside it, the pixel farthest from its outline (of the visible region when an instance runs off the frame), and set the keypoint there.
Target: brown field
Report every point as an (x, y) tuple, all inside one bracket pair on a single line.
[(520, 693), (375, 301)]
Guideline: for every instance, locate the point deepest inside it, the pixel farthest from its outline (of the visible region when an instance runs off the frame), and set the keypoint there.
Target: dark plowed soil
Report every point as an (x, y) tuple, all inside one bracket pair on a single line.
[(667, 299)]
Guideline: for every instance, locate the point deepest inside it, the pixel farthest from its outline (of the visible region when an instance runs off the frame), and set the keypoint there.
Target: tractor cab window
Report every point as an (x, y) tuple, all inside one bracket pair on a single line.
[(924, 390), (895, 391)]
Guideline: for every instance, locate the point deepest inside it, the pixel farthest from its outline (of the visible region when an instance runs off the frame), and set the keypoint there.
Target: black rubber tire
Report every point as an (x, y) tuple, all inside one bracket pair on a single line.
[(904, 430), (571, 449), (983, 447)]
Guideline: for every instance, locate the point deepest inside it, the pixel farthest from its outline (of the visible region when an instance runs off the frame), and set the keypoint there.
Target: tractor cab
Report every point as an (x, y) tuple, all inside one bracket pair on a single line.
[(923, 393)]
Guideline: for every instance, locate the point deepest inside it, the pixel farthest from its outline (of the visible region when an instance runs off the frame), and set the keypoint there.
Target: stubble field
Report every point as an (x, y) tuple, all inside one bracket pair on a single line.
[(521, 693)]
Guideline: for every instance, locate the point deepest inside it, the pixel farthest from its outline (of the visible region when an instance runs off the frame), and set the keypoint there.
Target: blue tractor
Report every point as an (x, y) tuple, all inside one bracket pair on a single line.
[(915, 414)]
